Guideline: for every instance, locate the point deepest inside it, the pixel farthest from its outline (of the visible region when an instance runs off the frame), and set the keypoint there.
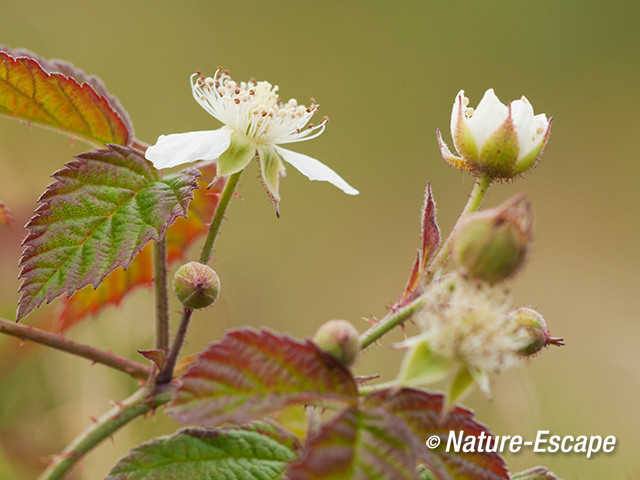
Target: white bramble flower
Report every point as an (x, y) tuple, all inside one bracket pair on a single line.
[(495, 139), (256, 122), (467, 325)]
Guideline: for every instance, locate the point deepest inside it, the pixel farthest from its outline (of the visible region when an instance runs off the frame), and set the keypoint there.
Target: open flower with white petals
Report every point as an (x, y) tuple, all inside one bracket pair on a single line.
[(495, 139), (256, 122)]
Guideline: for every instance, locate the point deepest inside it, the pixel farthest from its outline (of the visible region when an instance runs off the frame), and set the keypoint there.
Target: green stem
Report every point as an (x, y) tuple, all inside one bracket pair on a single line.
[(135, 369), (221, 209), (162, 298), (390, 321), (478, 192), (166, 373), (122, 413)]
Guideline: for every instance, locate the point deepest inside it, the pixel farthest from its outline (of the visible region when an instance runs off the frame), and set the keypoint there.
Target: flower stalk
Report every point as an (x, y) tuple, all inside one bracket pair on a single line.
[(161, 295), (216, 222)]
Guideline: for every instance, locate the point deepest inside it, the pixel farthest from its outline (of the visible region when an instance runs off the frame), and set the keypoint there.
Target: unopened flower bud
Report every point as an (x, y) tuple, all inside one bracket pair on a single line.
[(496, 140), (196, 285), (534, 329), (491, 245), (340, 339)]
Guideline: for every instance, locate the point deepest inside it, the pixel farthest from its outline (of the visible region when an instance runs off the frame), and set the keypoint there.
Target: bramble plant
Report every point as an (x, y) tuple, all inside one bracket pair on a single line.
[(115, 207)]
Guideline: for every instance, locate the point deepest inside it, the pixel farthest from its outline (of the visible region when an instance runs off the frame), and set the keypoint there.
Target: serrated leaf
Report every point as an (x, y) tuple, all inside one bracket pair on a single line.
[(6, 218), (98, 214), (51, 99), (426, 415), (253, 372), (179, 237), (255, 452), (358, 444)]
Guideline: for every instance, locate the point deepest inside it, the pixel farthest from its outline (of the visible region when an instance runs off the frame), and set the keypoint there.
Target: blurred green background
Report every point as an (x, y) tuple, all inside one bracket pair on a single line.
[(386, 73)]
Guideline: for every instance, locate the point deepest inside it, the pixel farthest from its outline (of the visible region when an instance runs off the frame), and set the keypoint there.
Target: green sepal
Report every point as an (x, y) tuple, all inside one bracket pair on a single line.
[(499, 152), (421, 365), (240, 152), (271, 169), (461, 384)]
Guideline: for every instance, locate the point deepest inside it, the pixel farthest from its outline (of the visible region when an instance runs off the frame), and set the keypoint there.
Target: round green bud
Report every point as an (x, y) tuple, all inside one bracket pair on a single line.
[(196, 285), (492, 245), (340, 339), (536, 332)]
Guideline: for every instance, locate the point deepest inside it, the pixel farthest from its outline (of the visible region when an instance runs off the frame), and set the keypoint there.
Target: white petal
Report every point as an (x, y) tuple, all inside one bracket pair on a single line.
[(315, 170), (487, 117), (179, 148)]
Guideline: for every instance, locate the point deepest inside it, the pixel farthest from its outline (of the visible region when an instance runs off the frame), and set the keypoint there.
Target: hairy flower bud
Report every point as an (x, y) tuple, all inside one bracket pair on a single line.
[(196, 285), (340, 339), (536, 332), (491, 245), (497, 140)]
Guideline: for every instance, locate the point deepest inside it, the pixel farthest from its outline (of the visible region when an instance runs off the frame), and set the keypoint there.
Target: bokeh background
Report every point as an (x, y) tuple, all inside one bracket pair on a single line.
[(386, 73)]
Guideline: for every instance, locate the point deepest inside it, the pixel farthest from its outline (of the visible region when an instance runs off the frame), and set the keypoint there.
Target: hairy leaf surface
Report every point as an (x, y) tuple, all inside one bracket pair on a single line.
[(52, 99), (179, 237), (255, 452), (423, 413), (367, 444), (253, 372), (98, 214)]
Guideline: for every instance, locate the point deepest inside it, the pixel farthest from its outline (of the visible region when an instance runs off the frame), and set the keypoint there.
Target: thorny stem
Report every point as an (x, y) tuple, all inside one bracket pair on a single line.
[(135, 369), (166, 373), (221, 209), (390, 321), (400, 315), (162, 299), (122, 413)]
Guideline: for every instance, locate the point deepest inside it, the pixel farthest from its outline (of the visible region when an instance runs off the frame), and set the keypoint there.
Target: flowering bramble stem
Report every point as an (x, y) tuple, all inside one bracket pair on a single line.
[(221, 209), (162, 299), (166, 373), (400, 315), (122, 413), (480, 188), (133, 368), (390, 321)]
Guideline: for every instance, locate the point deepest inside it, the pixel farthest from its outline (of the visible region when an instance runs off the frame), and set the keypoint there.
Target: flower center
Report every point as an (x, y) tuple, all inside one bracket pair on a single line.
[(254, 109)]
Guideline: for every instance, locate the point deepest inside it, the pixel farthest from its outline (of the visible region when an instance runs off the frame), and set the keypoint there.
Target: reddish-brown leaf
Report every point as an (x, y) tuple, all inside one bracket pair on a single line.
[(5, 215), (253, 372), (48, 98), (180, 236), (430, 240), (423, 413), (430, 230), (358, 444)]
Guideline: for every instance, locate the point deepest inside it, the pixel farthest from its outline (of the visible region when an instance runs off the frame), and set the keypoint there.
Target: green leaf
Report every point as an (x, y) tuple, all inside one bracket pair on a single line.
[(426, 415), (34, 90), (536, 473), (425, 474), (253, 372), (98, 214), (255, 452), (367, 444)]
